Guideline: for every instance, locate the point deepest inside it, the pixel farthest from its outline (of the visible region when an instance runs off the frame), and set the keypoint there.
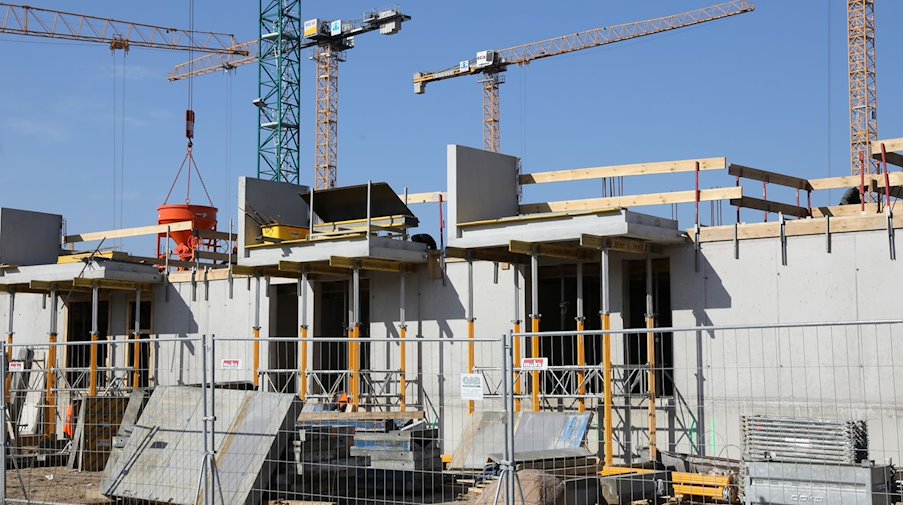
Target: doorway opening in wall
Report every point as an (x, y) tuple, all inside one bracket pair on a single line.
[(558, 310), (144, 333), (283, 356), (78, 329), (635, 348), (332, 320)]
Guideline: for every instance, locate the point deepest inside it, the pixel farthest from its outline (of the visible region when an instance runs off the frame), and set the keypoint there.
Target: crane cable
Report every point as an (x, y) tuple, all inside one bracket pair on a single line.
[(118, 151)]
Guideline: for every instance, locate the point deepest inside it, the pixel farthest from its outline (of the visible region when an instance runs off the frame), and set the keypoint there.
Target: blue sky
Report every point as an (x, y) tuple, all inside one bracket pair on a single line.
[(766, 89)]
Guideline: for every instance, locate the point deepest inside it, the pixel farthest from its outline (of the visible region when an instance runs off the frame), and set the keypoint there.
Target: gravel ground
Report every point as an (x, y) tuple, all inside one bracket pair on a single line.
[(56, 484)]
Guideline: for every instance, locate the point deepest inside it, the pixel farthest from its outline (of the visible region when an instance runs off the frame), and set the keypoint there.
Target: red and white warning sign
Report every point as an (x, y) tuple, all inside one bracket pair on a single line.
[(16, 366), (231, 364), (534, 364)]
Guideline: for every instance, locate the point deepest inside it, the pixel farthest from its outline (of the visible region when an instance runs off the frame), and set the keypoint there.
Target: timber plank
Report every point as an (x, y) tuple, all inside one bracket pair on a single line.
[(705, 195), (663, 167), (795, 228), (128, 232)]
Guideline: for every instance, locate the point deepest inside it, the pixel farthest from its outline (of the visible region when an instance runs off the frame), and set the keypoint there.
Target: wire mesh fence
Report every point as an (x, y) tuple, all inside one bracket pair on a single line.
[(754, 414)]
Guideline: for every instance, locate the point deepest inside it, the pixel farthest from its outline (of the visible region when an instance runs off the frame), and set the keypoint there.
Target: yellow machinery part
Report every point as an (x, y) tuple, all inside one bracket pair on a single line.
[(280, 232)]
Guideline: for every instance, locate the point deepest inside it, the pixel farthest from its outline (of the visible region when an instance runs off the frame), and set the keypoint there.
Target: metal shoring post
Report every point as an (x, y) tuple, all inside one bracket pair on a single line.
[(310, 216), (471, 332), (516, 339), (229, 273), (3, 413), (369, 209), (783, 224), (828, 234), (166, 269), (736, 227), (606, 360), (696, 196), (92, 378), (402, 348), (535, 317), (581, 351), (50, 380), (650, 358), (892, 246), (302, 368), (136, 345), (9, 343), (355, 335), (256, 330)]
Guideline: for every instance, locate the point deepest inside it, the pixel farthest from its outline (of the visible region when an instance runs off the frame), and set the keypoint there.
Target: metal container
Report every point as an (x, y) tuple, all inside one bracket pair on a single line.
[(782, 483)]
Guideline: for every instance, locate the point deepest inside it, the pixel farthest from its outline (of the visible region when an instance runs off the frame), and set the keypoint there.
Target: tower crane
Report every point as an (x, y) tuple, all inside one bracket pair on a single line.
[(863, 84), (331, 38), (120, 35), (491, 64)]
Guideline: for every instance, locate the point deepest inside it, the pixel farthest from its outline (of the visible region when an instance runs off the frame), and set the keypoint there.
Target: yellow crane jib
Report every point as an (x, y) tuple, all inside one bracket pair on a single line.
[(492, 63)]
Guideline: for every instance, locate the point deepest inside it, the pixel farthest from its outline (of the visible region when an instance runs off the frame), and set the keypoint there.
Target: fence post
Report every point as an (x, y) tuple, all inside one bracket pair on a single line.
[(3, 410), (203, 480)]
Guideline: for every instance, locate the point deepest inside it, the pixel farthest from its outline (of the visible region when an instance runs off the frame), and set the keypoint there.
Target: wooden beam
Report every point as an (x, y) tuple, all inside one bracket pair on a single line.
[(128, 232), (845, 210), (769, 177), (372, 264), (433, 197), (615, 202), (213, 256), (110, 284), (19, 288), (312, 268), (560, 251), (890, 145), (215, 235), (493, 254), (663, 167), (845, 182), (794, 228), (895, 179), (770, 206), (617, 244)]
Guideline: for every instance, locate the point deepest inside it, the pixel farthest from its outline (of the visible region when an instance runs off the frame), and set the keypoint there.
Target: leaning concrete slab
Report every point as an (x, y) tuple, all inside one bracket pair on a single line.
[(162, 459), (539, 432)]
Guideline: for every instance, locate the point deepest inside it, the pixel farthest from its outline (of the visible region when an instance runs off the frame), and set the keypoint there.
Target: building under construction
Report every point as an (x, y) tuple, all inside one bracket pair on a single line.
[(581, 351)]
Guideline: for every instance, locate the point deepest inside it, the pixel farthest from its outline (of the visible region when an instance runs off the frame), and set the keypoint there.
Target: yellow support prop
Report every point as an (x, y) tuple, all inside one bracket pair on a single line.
[(92, 378), (470, 357), (534, 340), (650, 357), (355, 370), (136, 361), (50, 383), (9, 359), (518, 389), (581, 363), (256, 356), (302, 372), (607, 379)]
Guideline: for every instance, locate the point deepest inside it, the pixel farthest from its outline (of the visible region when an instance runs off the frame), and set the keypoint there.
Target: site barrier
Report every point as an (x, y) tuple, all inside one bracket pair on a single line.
[(752, 414)]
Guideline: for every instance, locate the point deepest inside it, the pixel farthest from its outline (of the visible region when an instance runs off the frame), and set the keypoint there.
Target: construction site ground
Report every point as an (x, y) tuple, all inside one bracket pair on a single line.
[(55, 484)]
